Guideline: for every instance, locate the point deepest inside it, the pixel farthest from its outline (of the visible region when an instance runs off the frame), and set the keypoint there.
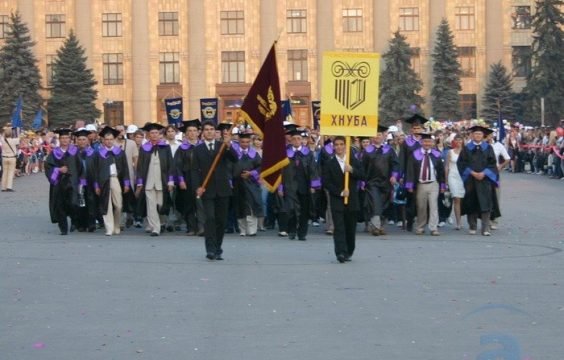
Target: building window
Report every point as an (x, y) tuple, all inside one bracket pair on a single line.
[(521, 17), (233, 66), (4, 27), (49, 62), (296, 21), (113, 113), (113, 69), (522, 60), (468, 106), (409, 19), (169, 68), (352, 20), (297, 65), (55, 26), (168, 23), (111, 25), (232, 22), (465, 18), (467, 59), (416, 60)]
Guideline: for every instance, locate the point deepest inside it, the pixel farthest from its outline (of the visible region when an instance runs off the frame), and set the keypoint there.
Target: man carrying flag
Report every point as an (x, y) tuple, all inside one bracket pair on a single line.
[(262, 109)]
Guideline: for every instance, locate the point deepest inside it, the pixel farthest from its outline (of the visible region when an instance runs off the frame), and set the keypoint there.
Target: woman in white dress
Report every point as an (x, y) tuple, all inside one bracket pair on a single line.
[(455, 183)]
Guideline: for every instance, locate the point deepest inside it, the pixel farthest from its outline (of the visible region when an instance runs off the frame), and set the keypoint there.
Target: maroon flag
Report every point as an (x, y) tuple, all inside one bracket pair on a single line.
[(262, 109)]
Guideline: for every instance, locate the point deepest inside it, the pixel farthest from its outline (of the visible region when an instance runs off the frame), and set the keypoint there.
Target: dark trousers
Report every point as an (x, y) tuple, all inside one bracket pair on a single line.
[(214, 226), (410, 210), (298, 220), (344, 234)]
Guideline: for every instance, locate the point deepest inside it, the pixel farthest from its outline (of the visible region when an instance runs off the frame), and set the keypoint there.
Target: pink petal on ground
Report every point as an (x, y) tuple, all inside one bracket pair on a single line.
[(38, 345)]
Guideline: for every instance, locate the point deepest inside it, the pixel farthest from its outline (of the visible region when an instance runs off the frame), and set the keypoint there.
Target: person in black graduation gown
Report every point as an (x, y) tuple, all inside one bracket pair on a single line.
[(155, 178), (186, 196), (381, 168), (412, 142), (299, 181), (344, 215), (325, 154), (215, 196), (478, 168), (112, 180), (64, 172), (246, 186), (87, 211)]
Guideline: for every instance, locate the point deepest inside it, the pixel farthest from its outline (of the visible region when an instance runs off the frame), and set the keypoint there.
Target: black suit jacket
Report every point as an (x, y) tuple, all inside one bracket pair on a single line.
[(220, 182), (414, 163), (334, 183)]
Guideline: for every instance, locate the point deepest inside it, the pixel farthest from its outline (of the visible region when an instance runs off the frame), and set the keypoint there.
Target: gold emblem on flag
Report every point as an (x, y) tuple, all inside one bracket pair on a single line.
[(267, 109)]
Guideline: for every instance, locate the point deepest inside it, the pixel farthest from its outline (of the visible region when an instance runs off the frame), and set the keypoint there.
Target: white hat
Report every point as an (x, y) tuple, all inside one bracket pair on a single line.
[(132, 129), (392, 129), (235, 130), (90, 127)]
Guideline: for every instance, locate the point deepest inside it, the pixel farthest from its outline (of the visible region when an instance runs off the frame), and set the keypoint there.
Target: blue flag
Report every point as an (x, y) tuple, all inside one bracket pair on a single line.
[(500, 129), (287, 110), (208, 109), (37, 120), (174, 110), (17, 114)]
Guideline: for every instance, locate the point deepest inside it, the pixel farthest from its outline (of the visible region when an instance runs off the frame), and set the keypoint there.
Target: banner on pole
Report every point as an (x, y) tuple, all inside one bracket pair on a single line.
[(174, 110), (208, 109), (350, 93), (316, 113)]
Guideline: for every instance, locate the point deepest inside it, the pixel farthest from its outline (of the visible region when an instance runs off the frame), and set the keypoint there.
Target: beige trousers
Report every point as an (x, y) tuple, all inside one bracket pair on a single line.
[(9, 170), (154, 198), (427, 195), (248, 225), (112, 219)]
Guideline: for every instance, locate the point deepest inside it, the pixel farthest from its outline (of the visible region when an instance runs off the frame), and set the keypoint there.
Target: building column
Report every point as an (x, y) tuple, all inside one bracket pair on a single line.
[(437, 11), (83, 27), (325, 35), (140, 62), (381, 20), (26, 10), (268, 25), (197, 84)]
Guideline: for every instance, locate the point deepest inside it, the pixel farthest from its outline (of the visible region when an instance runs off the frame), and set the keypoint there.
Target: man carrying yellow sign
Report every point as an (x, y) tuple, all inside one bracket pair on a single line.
[(349, 99)]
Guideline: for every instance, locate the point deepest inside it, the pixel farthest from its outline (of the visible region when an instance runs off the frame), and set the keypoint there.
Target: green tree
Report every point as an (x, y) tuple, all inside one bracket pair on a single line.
[(399, 83), (19, 74), (547, 76), (74, 94), (445, 98), (498, 97)]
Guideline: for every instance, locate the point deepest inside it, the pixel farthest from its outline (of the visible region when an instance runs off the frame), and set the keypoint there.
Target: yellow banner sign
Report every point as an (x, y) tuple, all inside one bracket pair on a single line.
[(349, 94)]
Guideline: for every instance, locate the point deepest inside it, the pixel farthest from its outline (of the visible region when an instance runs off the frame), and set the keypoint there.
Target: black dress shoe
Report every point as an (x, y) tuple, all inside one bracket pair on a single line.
[(348, 258), (92, 228), (170, 228), (301, 238), (81, 229), (229, 231), (154, 234), (210, 257), (291, 236), (341, 258), (64, 232), (218, 257)]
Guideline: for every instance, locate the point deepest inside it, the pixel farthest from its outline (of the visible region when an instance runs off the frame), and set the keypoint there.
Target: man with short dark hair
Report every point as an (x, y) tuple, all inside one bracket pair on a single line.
[(215, 196)]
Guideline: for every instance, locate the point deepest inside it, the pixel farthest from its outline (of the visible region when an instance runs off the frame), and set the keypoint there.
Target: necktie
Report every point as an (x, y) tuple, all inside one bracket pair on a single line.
[(426, 172), (211, 146)]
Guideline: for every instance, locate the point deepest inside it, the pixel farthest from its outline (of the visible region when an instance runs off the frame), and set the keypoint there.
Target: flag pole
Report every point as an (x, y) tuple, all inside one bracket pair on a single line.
[(218, 156), (347, 162)]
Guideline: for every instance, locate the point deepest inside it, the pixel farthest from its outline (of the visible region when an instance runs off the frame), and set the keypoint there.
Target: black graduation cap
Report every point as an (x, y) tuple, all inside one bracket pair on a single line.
[(152, 126), (109, 130), (382, 128), (416, 119), (81, 132), (245, 135), (426, 136), (223, 126), (296, 131), (63, 131), (483, 129), (190, 123)]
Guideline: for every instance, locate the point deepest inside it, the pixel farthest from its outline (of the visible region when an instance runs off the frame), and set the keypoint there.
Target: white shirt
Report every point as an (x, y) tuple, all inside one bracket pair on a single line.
[(342, 162), (212, 144), (432, 176), (500, 150)]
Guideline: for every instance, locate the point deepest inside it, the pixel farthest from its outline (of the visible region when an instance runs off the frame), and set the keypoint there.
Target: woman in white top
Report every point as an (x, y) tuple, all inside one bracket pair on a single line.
[(455, 183)]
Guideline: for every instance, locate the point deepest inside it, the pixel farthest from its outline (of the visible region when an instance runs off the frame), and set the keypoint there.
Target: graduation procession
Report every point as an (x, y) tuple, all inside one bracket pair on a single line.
[(264, 172)]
